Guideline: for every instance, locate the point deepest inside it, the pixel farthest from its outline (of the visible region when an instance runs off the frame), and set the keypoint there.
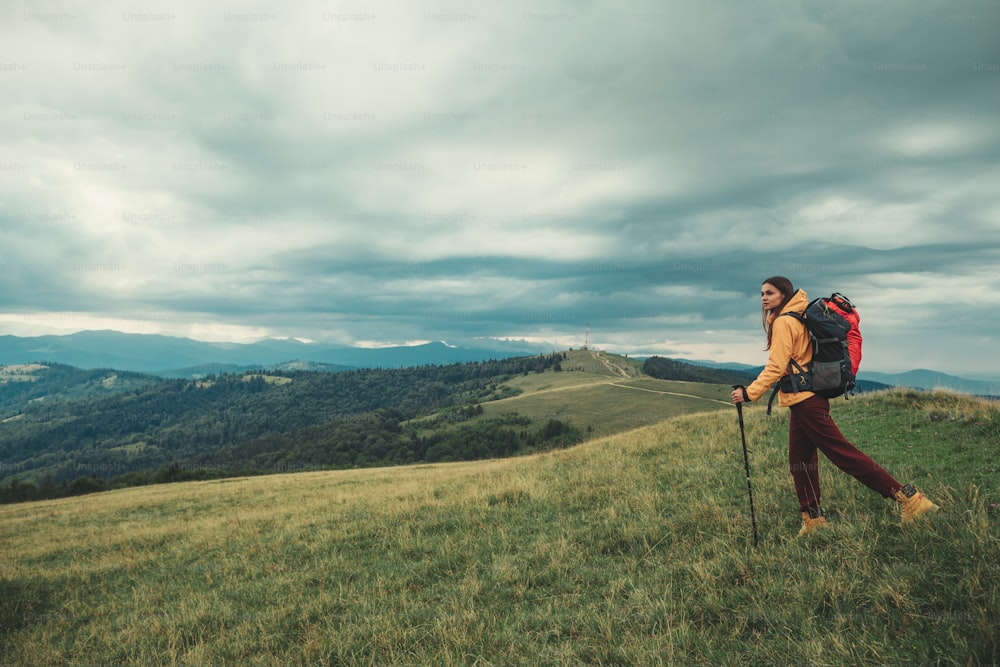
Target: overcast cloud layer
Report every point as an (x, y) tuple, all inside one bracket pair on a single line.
[(388, 172)]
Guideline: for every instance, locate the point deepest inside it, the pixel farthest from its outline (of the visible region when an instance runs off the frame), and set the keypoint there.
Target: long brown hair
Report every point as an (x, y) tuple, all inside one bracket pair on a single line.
[(783, 285)]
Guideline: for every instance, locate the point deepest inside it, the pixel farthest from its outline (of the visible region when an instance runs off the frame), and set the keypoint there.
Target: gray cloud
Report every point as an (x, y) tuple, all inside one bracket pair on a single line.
[(404, 171)]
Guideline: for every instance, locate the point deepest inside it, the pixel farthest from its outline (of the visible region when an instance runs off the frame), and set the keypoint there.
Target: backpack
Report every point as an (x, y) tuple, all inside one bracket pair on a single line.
[(832, 323)]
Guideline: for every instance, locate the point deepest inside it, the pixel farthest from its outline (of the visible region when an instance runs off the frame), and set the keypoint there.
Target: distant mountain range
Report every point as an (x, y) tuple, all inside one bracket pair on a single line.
[(185, 358), (182, 357), (925, 379)]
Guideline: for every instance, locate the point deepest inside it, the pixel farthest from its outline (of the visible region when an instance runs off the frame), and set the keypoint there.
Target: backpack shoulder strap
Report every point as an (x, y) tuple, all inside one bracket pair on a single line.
[(801, 317), (792, 365), (770, 401)]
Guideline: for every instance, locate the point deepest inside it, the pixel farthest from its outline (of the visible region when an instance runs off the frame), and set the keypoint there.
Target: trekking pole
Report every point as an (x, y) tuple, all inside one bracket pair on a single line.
[(746, 466)]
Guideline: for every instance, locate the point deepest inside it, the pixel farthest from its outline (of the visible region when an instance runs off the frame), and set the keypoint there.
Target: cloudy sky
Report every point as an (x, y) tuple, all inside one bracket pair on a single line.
[(389, 172)]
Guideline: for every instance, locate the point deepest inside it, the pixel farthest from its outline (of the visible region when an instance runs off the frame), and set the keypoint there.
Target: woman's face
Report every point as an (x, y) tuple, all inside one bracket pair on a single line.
[(770, 296)]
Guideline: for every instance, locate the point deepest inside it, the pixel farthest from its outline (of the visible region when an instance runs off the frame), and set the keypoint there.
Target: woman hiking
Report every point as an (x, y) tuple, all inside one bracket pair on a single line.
[(810, 426)]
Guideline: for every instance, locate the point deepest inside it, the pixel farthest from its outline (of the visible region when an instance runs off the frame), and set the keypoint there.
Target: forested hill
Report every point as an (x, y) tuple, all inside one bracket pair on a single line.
[(101, 425), (672, 369), (24, 384)]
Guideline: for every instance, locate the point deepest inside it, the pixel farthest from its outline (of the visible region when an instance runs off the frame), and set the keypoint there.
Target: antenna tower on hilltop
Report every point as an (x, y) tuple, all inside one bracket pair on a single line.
[(586, 340)]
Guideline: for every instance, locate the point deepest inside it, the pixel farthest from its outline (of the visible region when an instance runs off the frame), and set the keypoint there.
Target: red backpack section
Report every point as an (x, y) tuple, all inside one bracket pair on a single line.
[(839, 303)]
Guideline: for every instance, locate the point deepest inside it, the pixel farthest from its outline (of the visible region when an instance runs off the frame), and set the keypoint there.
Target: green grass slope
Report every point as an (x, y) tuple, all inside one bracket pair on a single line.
[(601, 394), (628, 550)]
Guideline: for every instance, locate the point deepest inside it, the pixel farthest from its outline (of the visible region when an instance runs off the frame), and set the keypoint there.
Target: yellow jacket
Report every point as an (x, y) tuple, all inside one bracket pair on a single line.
[(789, 340)]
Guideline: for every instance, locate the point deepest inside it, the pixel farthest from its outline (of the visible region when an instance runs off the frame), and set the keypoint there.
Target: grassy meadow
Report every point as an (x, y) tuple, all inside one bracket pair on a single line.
[(602, 394), (632, 549)]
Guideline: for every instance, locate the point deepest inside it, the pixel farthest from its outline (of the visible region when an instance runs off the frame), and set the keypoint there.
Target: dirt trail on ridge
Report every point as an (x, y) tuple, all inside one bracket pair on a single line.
[(619, 374)]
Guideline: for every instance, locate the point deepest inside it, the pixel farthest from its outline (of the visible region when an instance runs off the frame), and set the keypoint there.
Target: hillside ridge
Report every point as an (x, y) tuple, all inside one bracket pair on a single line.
[(67, 439)]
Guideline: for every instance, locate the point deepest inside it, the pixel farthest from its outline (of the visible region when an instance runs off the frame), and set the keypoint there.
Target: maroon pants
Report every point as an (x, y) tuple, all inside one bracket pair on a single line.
[(810, 428)]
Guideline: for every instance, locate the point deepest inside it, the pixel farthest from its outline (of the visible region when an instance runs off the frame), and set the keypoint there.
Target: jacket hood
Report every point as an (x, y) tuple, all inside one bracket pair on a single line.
[(797, 303)]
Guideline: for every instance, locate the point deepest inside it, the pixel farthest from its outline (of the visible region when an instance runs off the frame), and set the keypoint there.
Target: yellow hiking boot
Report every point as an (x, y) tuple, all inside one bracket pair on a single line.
[(811, 520), (913, 504)]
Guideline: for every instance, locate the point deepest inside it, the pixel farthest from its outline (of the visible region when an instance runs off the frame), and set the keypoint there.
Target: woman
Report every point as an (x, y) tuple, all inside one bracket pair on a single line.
[(810, 426)]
